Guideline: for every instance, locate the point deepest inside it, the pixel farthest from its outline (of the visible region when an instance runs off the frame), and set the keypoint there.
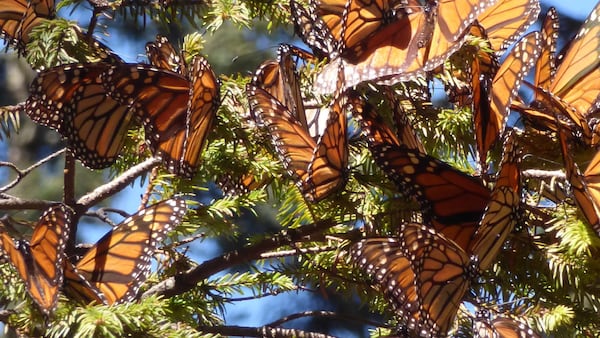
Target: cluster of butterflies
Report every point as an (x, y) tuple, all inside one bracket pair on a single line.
[(109, 272), (92, 105), (427, 268)]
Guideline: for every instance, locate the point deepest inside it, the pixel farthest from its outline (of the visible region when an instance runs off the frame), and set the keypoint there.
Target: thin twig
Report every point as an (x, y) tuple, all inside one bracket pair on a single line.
[(329, 314), (294, 252), (102, 214), (265, 331), (22, 173), (117, 184), (8, 202), (69, 179), (149, 188)]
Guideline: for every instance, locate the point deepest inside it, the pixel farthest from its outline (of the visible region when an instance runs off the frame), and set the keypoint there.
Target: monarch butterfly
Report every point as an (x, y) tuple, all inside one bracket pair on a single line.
[(162, 54), (237, 185), (545, 68), (501, 25), (280, 79), (500, 327), (416, 40), (353, 22), (19, 17), (586, 187), (318, 166), (313, 31), (504, 88), (71, 99), (40, 261), (177, 112), (372, 124), (113, 270), (451, 201), (316, 159), (424, 273), (573, 91)]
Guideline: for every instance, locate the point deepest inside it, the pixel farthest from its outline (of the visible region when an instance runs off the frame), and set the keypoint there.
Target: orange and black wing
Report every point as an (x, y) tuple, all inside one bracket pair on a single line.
[(316, 165), (313, 31), (453, 202), (422, 273), (40, 262), (500, 327), (419, 40), (577, 78), (501, 213), (163, 55), (118, 264), (19, 17), (507, 20), (586, 188), (177, 112), (327, 171), (504, 88), (72, 100), (573, 91)]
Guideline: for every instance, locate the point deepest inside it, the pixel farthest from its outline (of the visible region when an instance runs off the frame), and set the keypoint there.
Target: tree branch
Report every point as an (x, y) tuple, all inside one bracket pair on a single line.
[(22, 173), (329, 314), (117, 184), (536, 173), (265, 331), (186, 281), (8, 202), (69, 179)]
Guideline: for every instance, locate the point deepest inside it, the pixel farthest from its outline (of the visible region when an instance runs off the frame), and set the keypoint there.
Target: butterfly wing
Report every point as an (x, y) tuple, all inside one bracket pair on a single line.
[(40, 262), (328, 165), (72, 100), (424, 274), (316, 166), (500, 327), (392, 272), (586, 196), (577, 76), (176, 112), (507, 20), (545, 66), (505, 87), (313, 31), (410, 45), (451, 201), (509, 328), (372, 125), (183, 151), (162, 54), (502, 211), (19, 17), (118, 264)]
